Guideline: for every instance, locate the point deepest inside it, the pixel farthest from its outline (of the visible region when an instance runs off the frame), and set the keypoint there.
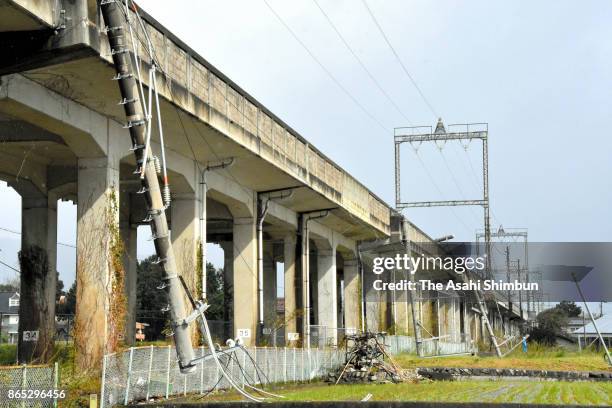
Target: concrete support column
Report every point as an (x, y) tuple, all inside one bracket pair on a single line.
[(352, 295), (289, 247), (401, 308), (185, 234), (99, 272), (228, 280), (129, 236), (38, 278), (245, 278), (269, 289), (185, 237), (327, 296)]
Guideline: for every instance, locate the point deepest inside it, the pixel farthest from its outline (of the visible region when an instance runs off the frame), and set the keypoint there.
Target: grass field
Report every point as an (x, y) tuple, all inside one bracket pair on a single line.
[(540, 392), (536, 359)]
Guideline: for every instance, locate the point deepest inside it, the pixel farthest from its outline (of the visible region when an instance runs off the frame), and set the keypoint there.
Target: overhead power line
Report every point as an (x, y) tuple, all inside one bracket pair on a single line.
[(360, 62), (10, 267), (19, 233), (399, 60), (324, 68)]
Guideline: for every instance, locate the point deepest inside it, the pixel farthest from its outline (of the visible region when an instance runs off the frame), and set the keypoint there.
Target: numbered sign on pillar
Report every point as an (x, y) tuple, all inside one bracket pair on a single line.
[(244, 333), (30, 335)]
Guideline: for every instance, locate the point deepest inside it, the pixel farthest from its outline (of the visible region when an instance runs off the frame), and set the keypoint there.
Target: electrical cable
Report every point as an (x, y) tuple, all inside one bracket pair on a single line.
[(19, 233), (399, 60), (324, 68), (10, 267), (360, 62)]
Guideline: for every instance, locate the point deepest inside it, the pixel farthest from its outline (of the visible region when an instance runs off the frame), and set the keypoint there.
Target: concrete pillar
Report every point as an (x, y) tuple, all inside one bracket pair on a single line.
[(129, 236), (374, 299), (403, 317), (327, 297), (185, 234), (352, 296), (269, 289), (245, 278), (38, 278), (228, 281), (289, 248), (99, 281)]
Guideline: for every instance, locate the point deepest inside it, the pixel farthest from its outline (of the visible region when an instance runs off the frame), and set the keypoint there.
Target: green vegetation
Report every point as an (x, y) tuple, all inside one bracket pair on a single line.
[(538, 358), (540, 392), (550, 322), (151, 300), (8, 354)]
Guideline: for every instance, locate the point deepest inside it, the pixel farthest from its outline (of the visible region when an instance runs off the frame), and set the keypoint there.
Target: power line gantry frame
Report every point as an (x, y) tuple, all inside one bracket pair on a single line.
[(460, 132)]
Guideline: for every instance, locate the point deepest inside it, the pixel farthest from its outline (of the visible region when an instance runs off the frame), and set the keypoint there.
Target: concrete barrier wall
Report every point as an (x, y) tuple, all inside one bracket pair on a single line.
[(200, 90)]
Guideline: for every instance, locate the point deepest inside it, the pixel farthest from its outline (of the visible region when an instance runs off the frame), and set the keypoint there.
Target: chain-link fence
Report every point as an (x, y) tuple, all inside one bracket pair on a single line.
[(429, 347), (29, 386), (147, 372), (142, 373)]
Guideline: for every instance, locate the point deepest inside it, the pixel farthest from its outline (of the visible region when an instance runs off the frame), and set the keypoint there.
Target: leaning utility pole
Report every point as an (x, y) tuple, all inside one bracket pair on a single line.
[(137, 124)]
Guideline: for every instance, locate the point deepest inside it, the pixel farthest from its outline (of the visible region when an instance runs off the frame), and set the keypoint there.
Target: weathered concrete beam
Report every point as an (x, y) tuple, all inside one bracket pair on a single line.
[(291, 285), (98, 274), (36, 34), (352, 295), (245, 278), (327, 295), (37, 260), (86, 132)]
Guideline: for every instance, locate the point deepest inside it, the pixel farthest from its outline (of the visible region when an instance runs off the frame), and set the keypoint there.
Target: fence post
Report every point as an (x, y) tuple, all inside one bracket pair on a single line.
[(24, 381), (202, 370), (244, 374), (102, 391), (129, 377), (285, 364), (168, 373), (255, 362), (56, 380), (149, 373), (309, 364)]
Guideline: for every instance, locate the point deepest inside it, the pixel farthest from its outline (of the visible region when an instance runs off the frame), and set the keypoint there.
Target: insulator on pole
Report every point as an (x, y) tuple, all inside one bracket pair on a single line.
[(166, 195), (157, 164)]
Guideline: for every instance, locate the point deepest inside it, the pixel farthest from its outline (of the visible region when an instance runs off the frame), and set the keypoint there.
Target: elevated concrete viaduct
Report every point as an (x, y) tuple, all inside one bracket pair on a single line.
[(62, 137)]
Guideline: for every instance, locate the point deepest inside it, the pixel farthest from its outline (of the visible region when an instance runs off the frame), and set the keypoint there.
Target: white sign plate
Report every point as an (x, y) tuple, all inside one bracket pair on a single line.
[(30, 335), (244, 333)]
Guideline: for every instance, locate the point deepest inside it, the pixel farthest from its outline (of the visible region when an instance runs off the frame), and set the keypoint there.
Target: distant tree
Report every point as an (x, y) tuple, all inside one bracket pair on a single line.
[(59, 287), (69, 307), (10, 285), (217, 292), (570, 308), (550, 323), (149, 299)]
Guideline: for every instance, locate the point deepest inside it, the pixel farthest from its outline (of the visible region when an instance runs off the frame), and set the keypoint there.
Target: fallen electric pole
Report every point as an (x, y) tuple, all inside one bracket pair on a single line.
[(137, 125)]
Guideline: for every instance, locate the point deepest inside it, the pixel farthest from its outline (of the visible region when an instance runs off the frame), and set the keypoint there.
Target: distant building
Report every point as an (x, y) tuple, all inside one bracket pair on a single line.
[(574, 323), (9, 317), (587, 334), (140, 331)]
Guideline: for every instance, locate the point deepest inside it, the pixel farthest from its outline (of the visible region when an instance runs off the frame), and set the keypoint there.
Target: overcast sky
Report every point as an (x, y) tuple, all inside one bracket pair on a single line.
[(537, 72)]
